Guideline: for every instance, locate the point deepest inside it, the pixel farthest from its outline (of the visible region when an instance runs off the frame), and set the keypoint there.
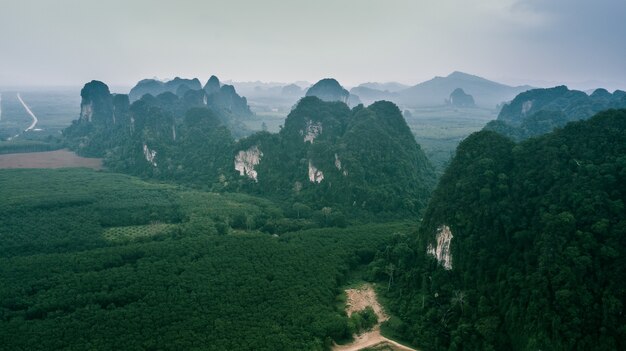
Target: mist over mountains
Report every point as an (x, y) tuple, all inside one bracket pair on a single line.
[(515, 238)]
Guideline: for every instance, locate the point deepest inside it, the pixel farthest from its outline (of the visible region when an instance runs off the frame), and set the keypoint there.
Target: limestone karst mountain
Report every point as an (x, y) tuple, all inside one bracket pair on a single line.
[(539, 111)]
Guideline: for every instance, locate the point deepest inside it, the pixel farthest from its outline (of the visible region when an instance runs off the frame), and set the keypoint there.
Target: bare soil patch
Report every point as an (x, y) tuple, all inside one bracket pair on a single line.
[(48, 159), (358, 300)]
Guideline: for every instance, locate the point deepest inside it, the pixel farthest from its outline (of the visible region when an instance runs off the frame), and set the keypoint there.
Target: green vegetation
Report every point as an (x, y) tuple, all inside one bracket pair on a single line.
[(439, 130), (54, 107), (359, 161), (539, 111), (23, 145), (339, 162), (537, 245), (361, 321), (106, 261)]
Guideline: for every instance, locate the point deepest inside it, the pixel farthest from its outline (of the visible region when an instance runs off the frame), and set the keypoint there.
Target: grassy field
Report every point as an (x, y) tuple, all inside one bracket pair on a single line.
[(272, 120), (439, 130)]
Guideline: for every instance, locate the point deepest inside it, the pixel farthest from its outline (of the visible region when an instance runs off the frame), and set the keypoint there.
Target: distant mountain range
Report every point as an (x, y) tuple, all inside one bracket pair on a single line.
[(434, 92), (437, 91)]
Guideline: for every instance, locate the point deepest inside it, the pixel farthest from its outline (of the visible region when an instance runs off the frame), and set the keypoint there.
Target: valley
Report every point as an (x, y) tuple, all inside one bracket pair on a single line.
[(168, 221)]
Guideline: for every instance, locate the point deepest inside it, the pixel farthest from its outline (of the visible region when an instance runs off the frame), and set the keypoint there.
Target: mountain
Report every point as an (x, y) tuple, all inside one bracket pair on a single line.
[(521, 246), (103, 116), (109, 124), (212, 86), (370, 95), (539, 111), (364, 159), (223, 99), (292, 90), (155, 87), (435, 91), (391, 87), (459, 98), (328, 89)]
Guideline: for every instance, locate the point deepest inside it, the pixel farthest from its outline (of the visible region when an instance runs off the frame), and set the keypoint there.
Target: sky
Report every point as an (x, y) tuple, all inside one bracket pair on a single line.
[(537, 42)]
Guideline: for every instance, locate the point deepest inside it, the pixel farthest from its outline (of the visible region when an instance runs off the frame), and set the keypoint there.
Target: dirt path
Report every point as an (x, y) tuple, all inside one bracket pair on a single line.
[(35, 120), (358, 299)]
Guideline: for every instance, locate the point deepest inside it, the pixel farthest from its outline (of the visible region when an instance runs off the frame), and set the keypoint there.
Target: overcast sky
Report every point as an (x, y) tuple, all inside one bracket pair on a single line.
[(542, 42)]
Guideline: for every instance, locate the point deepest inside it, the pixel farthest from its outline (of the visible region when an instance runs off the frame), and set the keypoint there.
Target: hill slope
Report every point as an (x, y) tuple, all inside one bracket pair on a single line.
[(362, 159), (522, 245), (327, 155), (539, 111)]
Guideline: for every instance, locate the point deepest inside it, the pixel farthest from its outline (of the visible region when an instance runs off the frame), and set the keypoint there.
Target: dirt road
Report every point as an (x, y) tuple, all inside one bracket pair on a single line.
[(35, 120), (358, 299)]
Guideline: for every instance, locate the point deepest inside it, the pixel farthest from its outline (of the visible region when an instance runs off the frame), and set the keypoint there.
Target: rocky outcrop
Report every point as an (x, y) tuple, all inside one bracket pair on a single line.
[(315, 175), (458, 98), (246, 160), (227, 100), (212, 86), (441, 249), (97, 103), (312, 130), (150, 155)]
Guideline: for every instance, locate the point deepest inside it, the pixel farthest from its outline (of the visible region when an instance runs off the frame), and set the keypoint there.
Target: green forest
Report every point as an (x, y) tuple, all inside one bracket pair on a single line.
[(106, 261), (202, 236), (537, 250)]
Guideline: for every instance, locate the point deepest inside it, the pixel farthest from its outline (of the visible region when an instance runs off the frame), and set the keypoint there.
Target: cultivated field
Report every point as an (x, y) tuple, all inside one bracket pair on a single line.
[(48, 159)]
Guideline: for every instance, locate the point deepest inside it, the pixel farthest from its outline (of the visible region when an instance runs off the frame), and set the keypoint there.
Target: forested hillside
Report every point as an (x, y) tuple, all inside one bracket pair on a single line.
[(540, 111), (364, 159), (521, 246), (357, 161)]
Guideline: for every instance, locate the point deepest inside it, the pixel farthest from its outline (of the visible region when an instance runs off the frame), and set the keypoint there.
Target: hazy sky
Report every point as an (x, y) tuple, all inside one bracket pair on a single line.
[(69, 42)]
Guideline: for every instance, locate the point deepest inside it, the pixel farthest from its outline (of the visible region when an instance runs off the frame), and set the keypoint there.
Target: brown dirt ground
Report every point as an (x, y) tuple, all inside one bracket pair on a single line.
[(358, 299), (48, 159)]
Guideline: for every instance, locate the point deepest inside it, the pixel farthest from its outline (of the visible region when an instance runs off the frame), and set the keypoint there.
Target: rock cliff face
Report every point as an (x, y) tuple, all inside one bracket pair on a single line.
[(246, 160), (97, 103), (441, 249)]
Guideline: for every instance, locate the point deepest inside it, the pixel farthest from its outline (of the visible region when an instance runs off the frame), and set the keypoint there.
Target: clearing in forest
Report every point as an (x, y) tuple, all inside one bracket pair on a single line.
[(358, 300)]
